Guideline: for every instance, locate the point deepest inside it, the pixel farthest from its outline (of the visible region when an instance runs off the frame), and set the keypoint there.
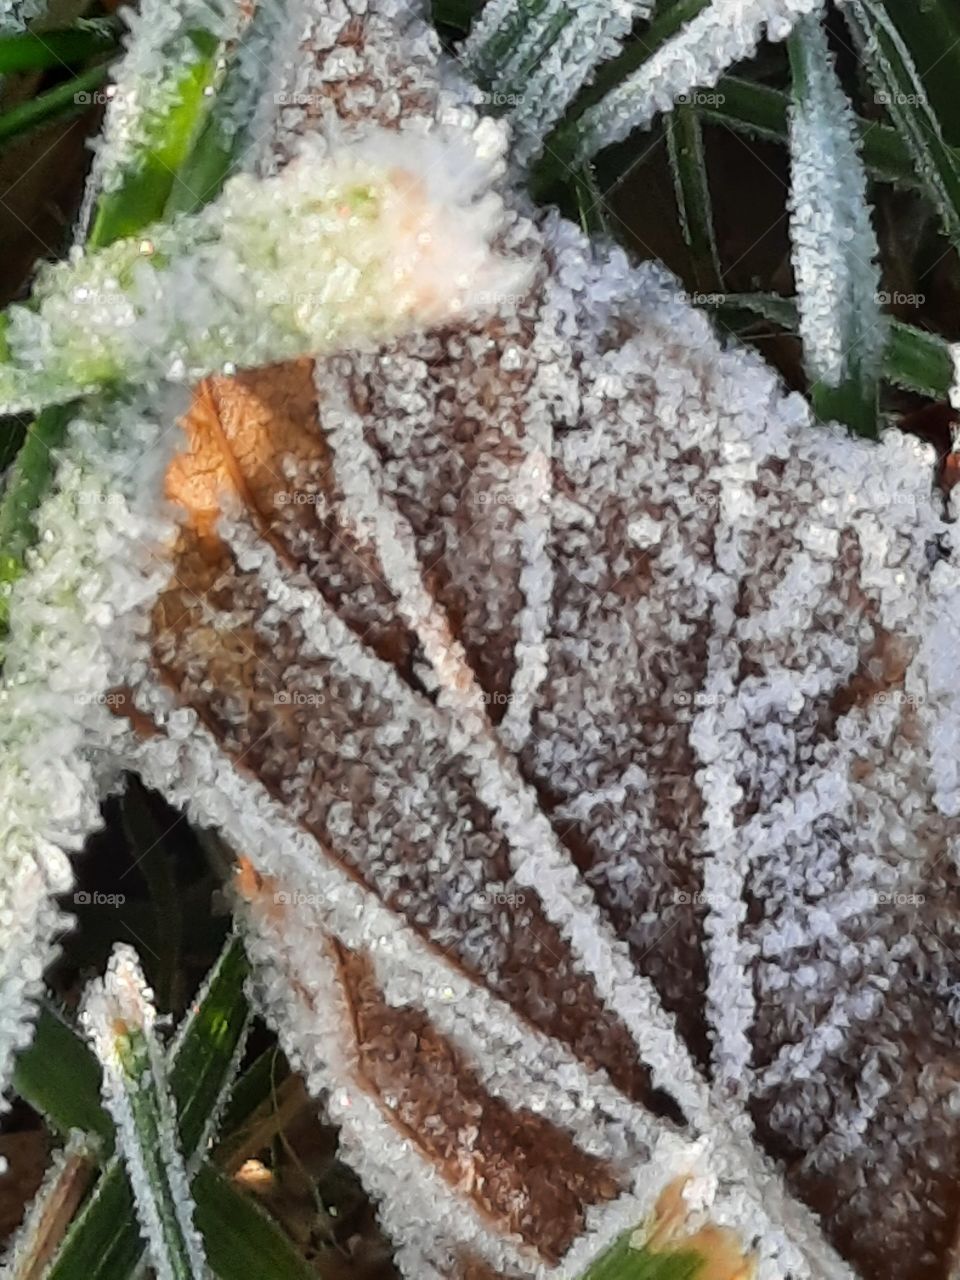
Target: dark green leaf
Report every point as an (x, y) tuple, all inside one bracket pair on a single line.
[(59, 1076), (68, 99), (689, 170)]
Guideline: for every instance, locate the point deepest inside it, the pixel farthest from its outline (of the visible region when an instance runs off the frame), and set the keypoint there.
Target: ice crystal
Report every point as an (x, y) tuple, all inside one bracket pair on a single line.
[(555, 51), (725, 32), (93, 568), (586, 718)]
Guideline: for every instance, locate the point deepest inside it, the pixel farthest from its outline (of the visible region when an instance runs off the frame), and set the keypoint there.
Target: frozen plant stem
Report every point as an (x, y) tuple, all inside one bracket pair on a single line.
[(120, 1020), (340, 250)]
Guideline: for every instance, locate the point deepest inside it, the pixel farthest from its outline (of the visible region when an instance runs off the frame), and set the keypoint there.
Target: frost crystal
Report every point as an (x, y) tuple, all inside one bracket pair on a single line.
[(15, 14), (587, 721), (166, 49), (93, 569), (555, 51), (725, 32), (341, 249), (835, 249)]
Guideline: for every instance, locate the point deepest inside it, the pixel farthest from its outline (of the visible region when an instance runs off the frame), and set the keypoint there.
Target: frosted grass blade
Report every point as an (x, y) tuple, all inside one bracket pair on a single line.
[(835, 248), (900, 88), (120, 1019)]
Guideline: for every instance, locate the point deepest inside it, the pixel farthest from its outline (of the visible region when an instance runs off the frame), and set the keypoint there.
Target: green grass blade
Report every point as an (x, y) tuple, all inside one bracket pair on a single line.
[(126, 209), (103, 1242), (564, 145), (504, 29), (915, 359), (900, 88), (68, 99), (70, 46), (169, 134), (688, 168), (120, 1019), (251, 1090), (208, 1046), (588, 201), (930, 31), (225, 135), (243, 1243), (625, 1262), (758, 111), (835, 249), (59, 1076), (25, 484)]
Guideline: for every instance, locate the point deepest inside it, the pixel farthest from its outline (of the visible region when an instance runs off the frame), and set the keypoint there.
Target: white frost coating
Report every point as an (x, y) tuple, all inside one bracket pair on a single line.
[(307, 1011), (410, 1190), (536, 856), (160, 53), (788, 1235), (727, 31), (532, 494), (540, 74), (835, 250), (503, 32), (118, 1011), (92, 570), (955, 386), (63, 1184), (344, 248), (15, 14)]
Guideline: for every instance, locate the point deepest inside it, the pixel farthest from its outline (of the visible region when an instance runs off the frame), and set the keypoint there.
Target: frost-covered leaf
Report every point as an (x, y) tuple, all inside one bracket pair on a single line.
[(900, 89), (718, 35), (915, 359), (119, 1017), (532, 57), (343, 248), (586, 718), (834, 245)]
